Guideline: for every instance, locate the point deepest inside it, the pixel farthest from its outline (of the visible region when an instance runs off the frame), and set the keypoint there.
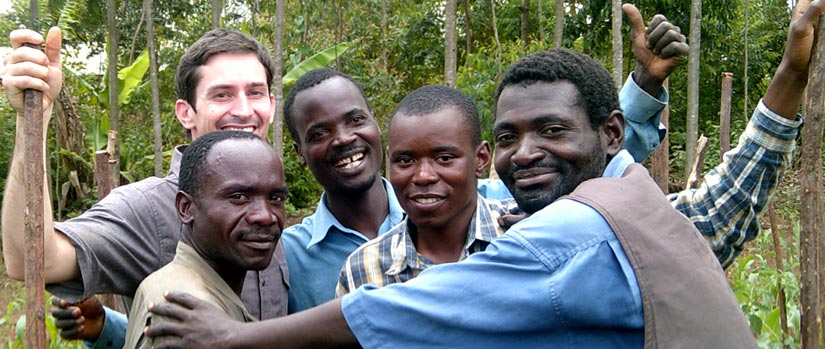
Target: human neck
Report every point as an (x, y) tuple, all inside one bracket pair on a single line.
[(363, 213), (443, 244)]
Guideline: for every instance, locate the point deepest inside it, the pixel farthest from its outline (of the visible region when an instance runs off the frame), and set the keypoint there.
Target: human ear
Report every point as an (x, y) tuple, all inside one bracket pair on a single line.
[(482, 158), (185, 114), (613, 132), (184, 206), (297, 149)]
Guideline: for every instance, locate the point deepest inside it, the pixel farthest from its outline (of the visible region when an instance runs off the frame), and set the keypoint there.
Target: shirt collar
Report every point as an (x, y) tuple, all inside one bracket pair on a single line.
[(483, 227), (616, 167), (177, 156), (325, 220)]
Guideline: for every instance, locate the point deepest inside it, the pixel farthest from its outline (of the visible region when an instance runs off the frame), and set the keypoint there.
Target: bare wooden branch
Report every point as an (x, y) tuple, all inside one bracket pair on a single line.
[(779, 258), (724, 113), (696, 169)]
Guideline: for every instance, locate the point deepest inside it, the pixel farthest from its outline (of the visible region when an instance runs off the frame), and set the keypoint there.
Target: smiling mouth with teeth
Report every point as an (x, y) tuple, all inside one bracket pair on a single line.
[(245, 129), (426, 200), (350, 162)]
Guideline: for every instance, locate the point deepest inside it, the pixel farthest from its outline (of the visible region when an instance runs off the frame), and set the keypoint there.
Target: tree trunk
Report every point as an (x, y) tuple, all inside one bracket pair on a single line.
[(468, 29), (525, 22), (450, 59), (385, 53), (558, 30), (810, 215), (217, 8), (153, 78), (278, 85), (71, 134), (114, 36), (498, 42), (539, 19), (617, 44), (693, 83)]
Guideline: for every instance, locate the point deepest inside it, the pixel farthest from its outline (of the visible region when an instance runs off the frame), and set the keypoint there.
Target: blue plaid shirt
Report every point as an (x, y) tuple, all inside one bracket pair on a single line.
[(727, 204), (392, 258)]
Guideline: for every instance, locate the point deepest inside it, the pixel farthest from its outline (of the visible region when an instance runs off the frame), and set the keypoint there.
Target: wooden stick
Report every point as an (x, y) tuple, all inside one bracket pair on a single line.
[(696, 169), (724, 113), (779, 257), (33, 169)]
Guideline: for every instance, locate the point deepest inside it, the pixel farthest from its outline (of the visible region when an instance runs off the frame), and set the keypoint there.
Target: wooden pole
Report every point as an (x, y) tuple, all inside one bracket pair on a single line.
[(724, 113), (810, 215), (659, 160), (33, 170), (106, 179)]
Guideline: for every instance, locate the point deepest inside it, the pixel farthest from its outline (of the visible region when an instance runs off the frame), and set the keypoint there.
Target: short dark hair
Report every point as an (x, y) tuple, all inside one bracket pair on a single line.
[(434, 98), (597, 92), (308, 80), (193, 163), (216, 41)]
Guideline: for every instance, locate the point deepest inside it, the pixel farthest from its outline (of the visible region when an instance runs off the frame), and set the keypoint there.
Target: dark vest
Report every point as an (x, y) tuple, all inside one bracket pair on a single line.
[(686, 298)]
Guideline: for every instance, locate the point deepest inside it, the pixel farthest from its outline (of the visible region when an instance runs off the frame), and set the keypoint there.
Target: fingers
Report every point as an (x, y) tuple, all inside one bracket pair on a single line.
[(163, 329), (662, 34), (25, 36), (54, 41), (634, 17), (507, 221), (184, 299), (811, 10)]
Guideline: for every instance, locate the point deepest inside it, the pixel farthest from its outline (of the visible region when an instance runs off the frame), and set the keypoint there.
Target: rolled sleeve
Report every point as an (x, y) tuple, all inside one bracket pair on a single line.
[(643, 112)]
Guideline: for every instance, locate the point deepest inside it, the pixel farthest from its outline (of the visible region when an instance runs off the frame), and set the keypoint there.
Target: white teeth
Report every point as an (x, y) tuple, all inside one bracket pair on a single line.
[(350, 162), (245, 129), (426, 200)]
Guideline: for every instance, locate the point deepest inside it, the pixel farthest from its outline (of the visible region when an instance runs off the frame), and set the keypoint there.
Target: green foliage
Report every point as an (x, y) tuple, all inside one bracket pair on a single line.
[(16, 307), (755, 281), (319, 60)]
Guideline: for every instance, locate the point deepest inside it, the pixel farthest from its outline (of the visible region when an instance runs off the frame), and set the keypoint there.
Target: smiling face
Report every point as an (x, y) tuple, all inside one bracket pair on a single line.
[(232, 94), (237, 217), (545, 146), (337, 136), (434, 166)]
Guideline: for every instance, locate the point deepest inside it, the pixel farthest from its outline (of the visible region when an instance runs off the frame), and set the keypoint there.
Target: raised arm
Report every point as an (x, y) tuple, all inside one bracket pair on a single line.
[(658, 49), (28, 68), (726, 206)]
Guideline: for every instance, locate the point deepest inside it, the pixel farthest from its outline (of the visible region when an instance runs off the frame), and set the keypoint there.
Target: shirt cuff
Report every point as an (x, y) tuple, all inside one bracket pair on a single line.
[(644, 105), (113, 334), (772, 131)]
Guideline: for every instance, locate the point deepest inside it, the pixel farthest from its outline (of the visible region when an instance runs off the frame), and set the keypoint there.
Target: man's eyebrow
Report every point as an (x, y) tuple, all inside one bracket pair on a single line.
[(355, 111), (253, 84)]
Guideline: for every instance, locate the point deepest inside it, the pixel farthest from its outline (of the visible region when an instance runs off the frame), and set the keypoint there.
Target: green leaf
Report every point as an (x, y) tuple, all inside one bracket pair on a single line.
[(131, 76), (319, 60), (20, 327)]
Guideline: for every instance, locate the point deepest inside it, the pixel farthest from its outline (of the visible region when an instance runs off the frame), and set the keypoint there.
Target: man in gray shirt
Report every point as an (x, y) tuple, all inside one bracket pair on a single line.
[(222, 82)]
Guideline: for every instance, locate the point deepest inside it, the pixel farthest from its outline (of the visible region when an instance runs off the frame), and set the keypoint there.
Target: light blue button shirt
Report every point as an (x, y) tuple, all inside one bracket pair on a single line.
[(557, 279), (317, 248)]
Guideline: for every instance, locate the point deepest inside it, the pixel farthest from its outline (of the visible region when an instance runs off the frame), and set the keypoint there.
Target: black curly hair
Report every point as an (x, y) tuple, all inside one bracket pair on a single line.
[(308, 80), (597, 92), (434, 98)]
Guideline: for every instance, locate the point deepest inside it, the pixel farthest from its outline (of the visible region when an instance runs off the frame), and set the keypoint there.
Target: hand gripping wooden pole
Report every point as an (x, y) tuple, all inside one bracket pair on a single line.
[(34, 178)]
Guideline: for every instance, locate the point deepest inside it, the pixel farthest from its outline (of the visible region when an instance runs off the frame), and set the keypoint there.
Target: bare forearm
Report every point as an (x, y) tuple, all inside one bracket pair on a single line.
[(320, 327), (13, 222), (785, 91)]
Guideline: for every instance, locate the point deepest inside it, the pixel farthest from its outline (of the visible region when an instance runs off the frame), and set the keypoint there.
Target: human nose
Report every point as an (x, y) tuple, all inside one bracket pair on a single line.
[(526, 152), (343, 137), (242, 106), (424, 174), (262, 213)]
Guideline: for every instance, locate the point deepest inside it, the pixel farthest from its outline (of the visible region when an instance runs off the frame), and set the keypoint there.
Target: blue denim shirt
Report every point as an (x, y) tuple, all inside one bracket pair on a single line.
[(557, 279), (317, 248)]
